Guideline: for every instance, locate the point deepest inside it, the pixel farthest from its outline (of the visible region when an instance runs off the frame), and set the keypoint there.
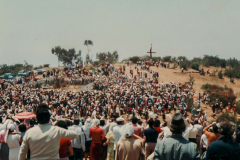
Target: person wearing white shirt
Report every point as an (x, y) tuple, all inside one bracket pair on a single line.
[(203, 143), (86, 128), (117, 131), (43, 140), (78, 143)]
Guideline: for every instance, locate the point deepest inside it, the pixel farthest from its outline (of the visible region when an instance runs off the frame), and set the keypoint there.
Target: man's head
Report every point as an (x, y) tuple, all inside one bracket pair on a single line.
[(102, 122), (177, 125), (76, 121), (195, 121), (226, 128), (134, 120), (120, 121), (157, 123), (22, 127), (43, 115), (151, 123), (215, 128), (62, 124)]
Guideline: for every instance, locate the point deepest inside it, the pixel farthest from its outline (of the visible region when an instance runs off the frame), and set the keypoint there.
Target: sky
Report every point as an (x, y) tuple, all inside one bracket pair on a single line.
[(191, 28)]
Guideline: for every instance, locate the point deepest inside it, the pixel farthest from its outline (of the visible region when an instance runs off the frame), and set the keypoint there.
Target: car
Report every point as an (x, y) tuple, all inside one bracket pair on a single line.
[(39, 71), (23, 73), (7, 76)]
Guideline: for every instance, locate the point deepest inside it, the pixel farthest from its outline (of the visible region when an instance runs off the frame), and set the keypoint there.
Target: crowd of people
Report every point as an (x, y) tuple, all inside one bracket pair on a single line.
[(118, 117)]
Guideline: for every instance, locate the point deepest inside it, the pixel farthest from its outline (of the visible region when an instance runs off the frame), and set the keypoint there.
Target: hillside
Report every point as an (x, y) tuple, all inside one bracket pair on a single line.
[(175, 75)]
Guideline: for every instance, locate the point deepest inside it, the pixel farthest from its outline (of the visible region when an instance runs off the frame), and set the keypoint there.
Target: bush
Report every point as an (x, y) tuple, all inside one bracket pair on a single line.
[(195, 65), (182, 58), (156, 58), (166, 59), (220, 74), (232, 72), (226, 117), (134, 59), (185, 64), (46, 65), (223, 94)]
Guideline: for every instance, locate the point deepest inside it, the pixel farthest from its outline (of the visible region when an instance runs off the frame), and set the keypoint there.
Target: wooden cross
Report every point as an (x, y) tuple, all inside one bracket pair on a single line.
[(151, 52)]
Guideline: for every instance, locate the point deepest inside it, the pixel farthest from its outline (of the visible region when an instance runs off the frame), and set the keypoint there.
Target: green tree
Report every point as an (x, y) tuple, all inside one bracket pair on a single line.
[(58, 52), (220, 74)]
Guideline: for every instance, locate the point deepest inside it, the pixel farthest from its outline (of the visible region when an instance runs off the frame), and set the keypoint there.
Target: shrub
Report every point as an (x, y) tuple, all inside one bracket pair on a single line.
[(185, 64), (195, 65), (46, 65), (232, 72), (182, 58), (166, 59), (226, 117), (223, 94), (220, 74), (134, 59)]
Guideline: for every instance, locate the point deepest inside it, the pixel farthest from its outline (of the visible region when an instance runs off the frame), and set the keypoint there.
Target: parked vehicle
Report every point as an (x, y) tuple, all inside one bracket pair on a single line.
[(39, 71), (7, 76), (23, 73)]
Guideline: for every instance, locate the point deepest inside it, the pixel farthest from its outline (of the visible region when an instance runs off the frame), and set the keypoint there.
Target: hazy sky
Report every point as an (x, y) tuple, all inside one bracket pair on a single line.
[(30, 28)]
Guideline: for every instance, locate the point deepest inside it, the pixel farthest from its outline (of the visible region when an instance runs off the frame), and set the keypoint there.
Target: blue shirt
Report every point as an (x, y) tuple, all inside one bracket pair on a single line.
[(151, 135), (223, 150), (176, 147)]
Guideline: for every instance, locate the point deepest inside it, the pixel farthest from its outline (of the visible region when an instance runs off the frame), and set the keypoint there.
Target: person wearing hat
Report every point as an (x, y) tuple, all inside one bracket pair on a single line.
[(117, 130), (175, 146)]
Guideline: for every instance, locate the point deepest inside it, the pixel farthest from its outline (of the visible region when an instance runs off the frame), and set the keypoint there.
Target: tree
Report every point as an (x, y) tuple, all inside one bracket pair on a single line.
[(78, 58), (67, 57), (109, 57), (220, 74), (58, 52), (27, 66), (88, 43)]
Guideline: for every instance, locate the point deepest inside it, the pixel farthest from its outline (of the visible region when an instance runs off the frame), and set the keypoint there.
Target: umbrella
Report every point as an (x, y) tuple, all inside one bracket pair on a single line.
[(25, 115)]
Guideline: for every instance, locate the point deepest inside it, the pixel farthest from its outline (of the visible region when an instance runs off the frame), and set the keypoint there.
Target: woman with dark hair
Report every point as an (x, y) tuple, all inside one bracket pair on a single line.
[(225, 147), (22, 130), (156, 126), (65, 149)]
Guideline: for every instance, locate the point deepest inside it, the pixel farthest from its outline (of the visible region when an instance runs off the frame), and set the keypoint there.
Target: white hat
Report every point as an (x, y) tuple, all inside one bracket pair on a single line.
[(120, 119)]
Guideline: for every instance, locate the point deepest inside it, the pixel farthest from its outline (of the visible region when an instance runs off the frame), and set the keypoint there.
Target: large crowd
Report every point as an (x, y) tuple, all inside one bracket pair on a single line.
[(119, 116)]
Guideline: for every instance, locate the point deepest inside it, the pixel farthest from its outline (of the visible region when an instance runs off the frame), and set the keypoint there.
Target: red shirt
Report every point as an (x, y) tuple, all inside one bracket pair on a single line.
[(158, 129), (64, 144), (97, 134)]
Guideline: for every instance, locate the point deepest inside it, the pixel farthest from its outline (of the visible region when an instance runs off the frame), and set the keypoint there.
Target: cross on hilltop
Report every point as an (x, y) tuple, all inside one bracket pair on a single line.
[(151, 52)]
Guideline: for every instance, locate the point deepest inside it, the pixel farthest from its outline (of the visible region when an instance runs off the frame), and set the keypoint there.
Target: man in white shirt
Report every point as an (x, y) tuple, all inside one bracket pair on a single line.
[(44, 140), (117, 131), (200, 131), (78, 143)]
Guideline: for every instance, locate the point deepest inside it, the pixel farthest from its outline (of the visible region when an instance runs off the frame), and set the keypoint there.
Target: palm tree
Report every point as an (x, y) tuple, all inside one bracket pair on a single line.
[(87, 43)]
